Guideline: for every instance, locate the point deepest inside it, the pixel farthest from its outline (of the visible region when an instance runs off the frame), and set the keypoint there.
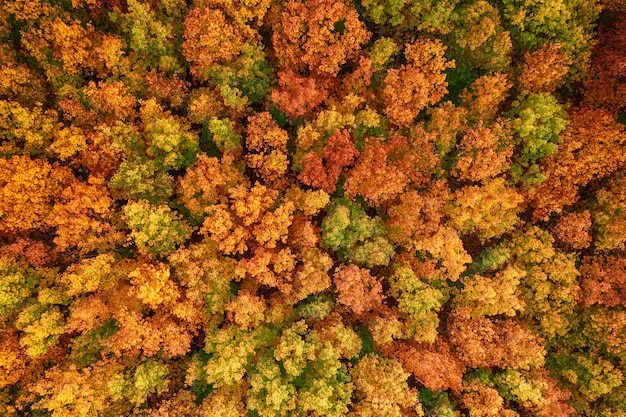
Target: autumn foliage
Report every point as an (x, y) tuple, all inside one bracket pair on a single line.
[(326, 208)]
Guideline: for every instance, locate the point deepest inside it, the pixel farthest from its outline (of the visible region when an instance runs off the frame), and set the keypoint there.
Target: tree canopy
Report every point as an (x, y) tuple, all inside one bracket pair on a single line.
[(326, 208)]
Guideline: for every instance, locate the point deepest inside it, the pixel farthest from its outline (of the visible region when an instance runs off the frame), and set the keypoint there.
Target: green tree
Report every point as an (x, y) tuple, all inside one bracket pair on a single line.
[(533, 23), (17, 285), (354, 235), (420, 301), (156, 230), (537, 120)]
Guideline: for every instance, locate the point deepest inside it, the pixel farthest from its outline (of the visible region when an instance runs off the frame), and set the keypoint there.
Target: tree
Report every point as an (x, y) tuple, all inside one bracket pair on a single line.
[(70, 391), (500, 343), (246, 224), (412, 87), (312, 363), (106, 147), (205, 103), (83, 216), (355, 236), (301, 372), (146, 337), (225, 136), (58, 43), (381, 389), (478, 38), (26, 188), (18, 284), (224, 402), (207, 182), (318, 35), (445, 251), (447, 122), (232, 350), (484, 401), (605, 87), (18, 81), (110, 101), (489, 210), (323, 171), (537, 121), (206, 277), (385, 169), (420, 302), (543, 70), (169, 143), (246, 80), (312, 275), (297, 96), (269, 144), (14, 363), (484, 96), (609, 218), (42, 325), (151, 36), (593, 375), (142, 179), (358, 289), (483, 296), (428, 16), (603, 280), (375, 175), (153, 286), (550, 289), (246, 310), (573, 230), (416, 215), (591, 150), (249, 13), (25, 131), (570, 22), (433, 365), (210, 39), (147, 378), (156, 230), (91, 275), (483, 153)]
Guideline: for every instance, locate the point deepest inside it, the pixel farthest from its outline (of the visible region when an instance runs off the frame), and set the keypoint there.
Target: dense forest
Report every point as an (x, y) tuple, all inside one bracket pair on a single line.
[(271, 208)]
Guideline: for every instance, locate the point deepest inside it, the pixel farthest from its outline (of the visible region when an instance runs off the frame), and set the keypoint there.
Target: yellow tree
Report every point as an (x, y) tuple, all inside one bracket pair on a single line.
[(489, 210), (381, 389)]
